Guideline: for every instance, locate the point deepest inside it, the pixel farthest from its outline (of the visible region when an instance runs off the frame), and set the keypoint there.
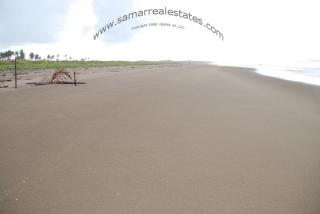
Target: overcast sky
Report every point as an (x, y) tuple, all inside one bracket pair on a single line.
[(254, 31)]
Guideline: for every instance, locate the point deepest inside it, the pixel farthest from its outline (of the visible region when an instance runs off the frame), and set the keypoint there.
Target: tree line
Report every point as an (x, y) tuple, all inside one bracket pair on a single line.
[(9, 54)]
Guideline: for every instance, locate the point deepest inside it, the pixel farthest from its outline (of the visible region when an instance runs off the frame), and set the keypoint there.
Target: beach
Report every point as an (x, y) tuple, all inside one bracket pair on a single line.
[(179, 138)]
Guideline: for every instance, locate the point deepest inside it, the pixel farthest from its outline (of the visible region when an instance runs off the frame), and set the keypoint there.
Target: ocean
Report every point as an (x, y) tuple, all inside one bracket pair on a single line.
[(304, 71)]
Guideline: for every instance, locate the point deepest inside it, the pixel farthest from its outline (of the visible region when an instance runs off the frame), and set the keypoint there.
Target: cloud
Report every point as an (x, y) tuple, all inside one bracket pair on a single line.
[(253, 31), (108, 10), (31, 21)]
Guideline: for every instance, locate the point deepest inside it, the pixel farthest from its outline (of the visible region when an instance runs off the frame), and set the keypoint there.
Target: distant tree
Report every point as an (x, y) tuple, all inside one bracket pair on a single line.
[(22, 54), (65, 57), (70, 58), (7, 55), (52, 57), (57, 57), (36, 57), (31, 55), (2, 55), (16, 53)]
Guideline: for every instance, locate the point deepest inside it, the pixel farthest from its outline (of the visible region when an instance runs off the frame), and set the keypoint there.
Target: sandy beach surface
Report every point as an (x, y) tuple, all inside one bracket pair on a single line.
[(185, 138)]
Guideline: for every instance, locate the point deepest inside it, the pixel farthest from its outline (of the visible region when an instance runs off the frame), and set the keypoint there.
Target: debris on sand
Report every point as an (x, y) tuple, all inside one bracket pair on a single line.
[(60, 76)]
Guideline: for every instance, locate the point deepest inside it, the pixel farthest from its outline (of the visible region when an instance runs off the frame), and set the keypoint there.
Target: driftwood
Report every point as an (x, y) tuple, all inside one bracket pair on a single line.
[(70, 83), (59, 77), (39, 83)]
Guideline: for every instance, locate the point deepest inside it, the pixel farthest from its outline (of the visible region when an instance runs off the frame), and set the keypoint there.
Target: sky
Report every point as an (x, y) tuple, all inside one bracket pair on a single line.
[(254, 31)]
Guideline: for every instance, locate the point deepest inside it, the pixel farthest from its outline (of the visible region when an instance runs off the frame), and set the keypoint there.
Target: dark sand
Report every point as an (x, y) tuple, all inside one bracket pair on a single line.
[(171, 139)]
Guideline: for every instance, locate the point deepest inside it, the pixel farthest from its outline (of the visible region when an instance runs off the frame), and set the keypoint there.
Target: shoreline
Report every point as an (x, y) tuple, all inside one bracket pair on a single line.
[(282, 74)]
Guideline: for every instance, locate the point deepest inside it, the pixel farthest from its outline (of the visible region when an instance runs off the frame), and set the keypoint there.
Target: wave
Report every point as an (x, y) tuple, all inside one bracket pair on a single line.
[(307, 71)]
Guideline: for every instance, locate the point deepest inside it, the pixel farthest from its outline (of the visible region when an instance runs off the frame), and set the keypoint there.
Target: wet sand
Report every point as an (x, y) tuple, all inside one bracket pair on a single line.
[(185, 138)]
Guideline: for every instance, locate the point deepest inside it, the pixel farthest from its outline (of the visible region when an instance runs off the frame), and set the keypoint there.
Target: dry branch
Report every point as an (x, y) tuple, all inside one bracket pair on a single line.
[(60, 76)]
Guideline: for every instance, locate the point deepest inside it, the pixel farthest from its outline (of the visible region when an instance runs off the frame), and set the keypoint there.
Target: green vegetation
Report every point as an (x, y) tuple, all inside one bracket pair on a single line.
[(44, 64), (54, 61)]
